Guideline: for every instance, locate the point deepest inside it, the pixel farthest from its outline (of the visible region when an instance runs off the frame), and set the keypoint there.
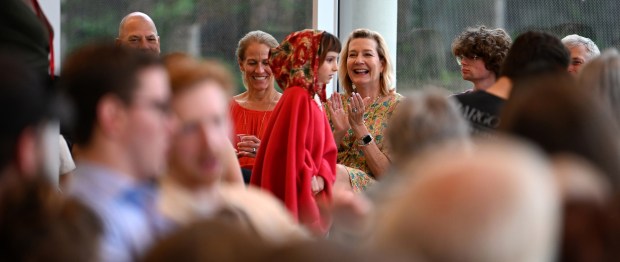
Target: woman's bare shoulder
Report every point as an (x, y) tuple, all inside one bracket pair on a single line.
[(240, 98)]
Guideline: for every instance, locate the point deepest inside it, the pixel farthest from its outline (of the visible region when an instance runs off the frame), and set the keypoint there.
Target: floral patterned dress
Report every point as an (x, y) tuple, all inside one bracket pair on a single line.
[(350, 153)]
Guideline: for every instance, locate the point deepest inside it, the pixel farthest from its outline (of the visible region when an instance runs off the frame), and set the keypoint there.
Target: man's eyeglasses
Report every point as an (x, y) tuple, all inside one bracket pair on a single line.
[(162, 107), (460, 58)]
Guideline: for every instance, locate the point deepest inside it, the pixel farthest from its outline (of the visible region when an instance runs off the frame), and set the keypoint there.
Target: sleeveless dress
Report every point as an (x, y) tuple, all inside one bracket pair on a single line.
[(248, 122)]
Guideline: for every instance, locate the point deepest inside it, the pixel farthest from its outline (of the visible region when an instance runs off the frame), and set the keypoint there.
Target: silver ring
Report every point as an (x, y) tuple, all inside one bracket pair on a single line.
[(354, 110), (254, 150)]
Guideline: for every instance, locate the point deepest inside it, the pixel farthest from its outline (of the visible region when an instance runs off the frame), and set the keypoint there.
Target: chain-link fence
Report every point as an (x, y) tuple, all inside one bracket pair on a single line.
[(426, 29)]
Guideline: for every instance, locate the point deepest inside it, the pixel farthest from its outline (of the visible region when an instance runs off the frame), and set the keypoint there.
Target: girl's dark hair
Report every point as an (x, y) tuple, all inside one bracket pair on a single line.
[(329, 43)]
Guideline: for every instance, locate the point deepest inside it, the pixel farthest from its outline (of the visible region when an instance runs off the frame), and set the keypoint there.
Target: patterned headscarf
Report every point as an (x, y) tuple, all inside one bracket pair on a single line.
[(295, 62)]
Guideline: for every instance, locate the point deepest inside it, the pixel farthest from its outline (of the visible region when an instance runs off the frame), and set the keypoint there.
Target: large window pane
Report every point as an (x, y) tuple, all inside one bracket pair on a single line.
[(209, 28), (426, 29)]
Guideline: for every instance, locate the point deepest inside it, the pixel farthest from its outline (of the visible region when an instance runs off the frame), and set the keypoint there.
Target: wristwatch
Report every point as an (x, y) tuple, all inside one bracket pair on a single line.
[(365, 140)]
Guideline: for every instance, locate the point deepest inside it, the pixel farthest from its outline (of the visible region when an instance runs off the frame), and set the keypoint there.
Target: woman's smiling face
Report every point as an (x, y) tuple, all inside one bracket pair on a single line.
[(364, 66), (257, 74)]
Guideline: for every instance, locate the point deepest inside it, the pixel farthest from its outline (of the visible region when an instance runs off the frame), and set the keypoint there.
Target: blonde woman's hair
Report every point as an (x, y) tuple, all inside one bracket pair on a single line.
[(387, 76)]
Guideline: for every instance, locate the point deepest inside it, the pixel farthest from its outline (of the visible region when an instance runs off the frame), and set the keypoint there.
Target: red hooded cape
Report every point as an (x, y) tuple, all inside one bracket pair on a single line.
[(298, 143)]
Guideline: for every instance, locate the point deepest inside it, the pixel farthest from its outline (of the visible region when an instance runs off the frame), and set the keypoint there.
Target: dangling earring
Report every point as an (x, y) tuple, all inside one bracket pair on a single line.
[(353, 87)]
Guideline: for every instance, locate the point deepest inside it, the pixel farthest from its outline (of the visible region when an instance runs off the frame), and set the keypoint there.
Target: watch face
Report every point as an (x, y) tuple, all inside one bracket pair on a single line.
[(367, 139)]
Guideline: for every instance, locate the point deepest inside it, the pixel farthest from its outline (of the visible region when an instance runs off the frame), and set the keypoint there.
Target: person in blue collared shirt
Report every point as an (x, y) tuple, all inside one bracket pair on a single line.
[(121, 136)]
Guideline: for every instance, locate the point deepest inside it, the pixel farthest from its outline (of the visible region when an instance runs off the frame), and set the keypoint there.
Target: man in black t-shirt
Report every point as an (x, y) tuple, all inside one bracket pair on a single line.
[(479, 52), (532, 53)]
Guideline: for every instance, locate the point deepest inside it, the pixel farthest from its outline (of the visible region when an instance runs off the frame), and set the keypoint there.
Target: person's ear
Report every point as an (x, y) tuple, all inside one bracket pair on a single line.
[(382, 65), (111, 116), (240, 65), (27, 159)]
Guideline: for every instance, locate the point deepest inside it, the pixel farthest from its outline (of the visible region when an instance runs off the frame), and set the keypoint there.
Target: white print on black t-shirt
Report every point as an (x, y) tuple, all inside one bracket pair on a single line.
[(479, 118)]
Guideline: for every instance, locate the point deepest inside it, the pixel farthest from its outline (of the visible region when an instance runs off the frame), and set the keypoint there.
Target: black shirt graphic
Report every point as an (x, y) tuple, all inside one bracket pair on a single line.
[(481, 110)]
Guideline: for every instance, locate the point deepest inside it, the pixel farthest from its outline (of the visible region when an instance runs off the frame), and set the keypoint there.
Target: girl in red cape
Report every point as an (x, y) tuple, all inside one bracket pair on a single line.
[(297, 159)]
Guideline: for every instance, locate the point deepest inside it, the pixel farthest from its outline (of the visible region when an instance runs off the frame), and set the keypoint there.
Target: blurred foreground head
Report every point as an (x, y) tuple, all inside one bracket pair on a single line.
[(498, 204), (601, 76), (221, 239), (200, 94), (552, 112), (37, 223), (534, 53), (423, 120), (122, 108), (26, 107)]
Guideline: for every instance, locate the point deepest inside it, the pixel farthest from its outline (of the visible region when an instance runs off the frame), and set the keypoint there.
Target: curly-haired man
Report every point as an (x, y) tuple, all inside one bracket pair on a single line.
[(532, 54), (480, 52)]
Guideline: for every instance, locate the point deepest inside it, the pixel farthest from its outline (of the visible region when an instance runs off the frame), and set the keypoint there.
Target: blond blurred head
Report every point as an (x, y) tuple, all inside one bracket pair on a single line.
[(497, 203), (424, 119), (186, 72)]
